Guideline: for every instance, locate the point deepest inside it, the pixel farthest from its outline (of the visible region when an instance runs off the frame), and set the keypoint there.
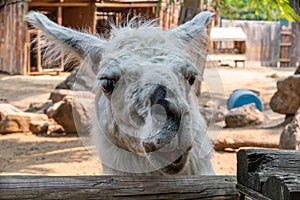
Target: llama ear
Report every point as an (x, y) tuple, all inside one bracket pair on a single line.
[(77, 43), (200, 24)]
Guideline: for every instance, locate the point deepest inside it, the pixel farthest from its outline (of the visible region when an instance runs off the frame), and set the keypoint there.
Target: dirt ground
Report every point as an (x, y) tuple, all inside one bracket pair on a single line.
[(65, 155)]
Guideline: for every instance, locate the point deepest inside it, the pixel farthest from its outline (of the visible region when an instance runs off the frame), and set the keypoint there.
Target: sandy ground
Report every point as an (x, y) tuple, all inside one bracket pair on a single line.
[(65, 155)]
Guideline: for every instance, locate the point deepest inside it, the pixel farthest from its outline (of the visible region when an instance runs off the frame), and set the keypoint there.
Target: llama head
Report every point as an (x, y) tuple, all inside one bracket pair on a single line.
[(142, 80)]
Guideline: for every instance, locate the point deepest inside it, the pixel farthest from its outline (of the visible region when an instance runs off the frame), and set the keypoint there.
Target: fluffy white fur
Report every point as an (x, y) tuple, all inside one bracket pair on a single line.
[(138, 60)]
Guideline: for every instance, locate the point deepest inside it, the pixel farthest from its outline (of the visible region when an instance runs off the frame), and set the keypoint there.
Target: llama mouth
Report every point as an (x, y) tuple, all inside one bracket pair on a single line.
[(178, 159)]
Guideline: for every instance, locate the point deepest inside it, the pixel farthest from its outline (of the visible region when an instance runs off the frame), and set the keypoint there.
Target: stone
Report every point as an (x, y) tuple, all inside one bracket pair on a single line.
[(83, 101), (297, 70), (69, 81), (38, 127), (13, 120), (51, 109), (286, 100), (54, 127), (246, 115), (73, 113), (290, 136), (59, 94), (63, 115), (81, 80), (39, 107), (212, 115)]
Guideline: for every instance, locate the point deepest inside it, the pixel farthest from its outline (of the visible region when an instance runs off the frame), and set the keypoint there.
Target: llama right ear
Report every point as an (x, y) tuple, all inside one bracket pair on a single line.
[(77, 43), (199, 26)]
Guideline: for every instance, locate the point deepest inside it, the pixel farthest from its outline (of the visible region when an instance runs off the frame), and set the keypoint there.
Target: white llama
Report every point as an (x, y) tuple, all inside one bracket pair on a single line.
[(146, 119)]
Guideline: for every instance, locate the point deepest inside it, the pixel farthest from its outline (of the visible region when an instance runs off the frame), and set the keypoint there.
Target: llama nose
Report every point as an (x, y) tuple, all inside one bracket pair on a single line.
[(159, 96)]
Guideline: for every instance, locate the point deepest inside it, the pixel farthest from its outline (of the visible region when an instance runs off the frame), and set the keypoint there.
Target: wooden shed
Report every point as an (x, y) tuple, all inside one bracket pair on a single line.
[(18, 55)]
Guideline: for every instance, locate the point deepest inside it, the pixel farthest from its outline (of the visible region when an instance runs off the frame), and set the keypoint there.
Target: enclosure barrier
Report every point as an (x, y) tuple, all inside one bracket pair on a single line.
[(261, 174), (269, 174), (121, 187)]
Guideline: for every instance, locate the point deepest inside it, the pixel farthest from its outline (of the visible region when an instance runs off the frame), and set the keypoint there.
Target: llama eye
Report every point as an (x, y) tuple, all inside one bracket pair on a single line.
[(192, 80), (107, 85)]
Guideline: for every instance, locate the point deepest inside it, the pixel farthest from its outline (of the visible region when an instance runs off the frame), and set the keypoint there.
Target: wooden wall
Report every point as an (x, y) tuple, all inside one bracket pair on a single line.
[(82, 20), (295, 48), (12, 36), (78, 14), (263, 40)]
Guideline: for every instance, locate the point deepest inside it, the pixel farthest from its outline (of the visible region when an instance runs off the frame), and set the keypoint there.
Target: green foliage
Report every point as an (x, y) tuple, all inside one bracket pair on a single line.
[(256, 9)]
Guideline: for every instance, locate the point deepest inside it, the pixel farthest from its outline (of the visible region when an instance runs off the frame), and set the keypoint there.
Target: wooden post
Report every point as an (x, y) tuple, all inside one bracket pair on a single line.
[(121, 187), (294, 51), (94, 18), (284, 48), (59, 15), (25, 44), (39, 51), (261, 172), (279, 187), (27, 53)]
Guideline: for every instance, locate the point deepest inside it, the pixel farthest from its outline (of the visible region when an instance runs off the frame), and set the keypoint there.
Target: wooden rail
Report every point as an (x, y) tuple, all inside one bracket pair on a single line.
[(122, 187)]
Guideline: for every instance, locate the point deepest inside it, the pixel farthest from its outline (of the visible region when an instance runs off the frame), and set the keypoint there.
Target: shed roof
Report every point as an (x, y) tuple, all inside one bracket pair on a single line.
[(227, 34)]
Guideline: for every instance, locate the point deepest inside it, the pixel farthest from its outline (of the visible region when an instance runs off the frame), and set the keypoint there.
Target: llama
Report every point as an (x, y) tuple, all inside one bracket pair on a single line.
[(146, 119)]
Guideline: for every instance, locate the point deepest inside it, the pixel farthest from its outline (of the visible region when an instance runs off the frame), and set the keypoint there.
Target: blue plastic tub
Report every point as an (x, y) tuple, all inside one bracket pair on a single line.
[(242, 97)]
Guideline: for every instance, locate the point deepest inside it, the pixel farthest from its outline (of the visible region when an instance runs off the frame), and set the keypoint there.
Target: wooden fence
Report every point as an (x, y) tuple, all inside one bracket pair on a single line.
[(263, 40), (261, 174), (294, 51), (121, 187), (269, 174), (12, 37)]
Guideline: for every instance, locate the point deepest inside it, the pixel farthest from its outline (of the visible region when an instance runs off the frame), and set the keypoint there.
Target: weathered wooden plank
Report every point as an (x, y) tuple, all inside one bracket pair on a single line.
[(125, 5), (57, 4), (294, 50), (12, 36), (123, 187), (251, 193), (282, 187), (246, 139), (236, 143), (254, 166)]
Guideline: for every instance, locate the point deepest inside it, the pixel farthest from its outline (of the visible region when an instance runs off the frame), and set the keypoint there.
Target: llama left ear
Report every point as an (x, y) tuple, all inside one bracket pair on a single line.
[(200, 24), (62, 38)]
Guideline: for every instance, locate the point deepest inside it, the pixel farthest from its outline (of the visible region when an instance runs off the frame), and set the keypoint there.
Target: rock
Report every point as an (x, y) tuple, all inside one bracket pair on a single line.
[(38, 127), (39, 107), (83, 101), (54, 127), (211, 104), (286, 100), (52, 109), (69, 81), (246, 115), (79, 79), (290, 136), (212, 115), (59, 95), (13, 120), (63, 115), (297, 70), (274, 75), (6, 109), (73, 113)]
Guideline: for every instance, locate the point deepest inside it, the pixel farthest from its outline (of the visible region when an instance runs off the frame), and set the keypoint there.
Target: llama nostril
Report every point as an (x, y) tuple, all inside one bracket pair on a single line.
[(160, 104), (158, 96)]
